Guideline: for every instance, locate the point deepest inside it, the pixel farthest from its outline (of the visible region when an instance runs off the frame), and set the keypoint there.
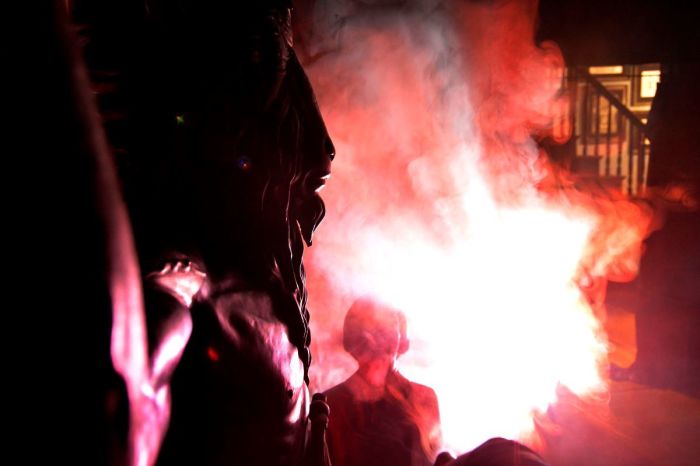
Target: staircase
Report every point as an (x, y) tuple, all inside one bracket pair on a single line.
[(610, 144)]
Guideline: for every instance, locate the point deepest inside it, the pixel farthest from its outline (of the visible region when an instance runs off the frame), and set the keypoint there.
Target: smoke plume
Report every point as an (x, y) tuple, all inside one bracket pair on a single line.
[(443, 204)]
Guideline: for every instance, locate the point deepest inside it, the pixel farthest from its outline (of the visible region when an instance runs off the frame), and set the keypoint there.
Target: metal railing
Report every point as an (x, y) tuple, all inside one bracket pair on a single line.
[(606, 131)]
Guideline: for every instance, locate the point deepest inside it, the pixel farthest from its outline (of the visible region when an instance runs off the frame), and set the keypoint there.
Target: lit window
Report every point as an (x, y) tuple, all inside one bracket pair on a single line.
[(605, 69), (650, 78)]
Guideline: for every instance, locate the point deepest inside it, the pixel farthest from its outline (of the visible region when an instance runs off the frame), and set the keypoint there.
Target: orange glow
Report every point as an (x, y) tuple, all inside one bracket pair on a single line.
[(442, 205)]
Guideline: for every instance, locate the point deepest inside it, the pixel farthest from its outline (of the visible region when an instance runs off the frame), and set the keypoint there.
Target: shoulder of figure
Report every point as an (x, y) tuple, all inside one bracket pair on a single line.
[(422, 395), (423, 390), (338, 393), (183, 279)]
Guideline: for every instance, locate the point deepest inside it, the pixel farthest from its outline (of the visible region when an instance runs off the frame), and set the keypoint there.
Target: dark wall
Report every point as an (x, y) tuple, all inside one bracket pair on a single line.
[(599, 32)]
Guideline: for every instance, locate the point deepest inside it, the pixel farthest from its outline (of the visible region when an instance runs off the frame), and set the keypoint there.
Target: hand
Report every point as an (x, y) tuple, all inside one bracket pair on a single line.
[(182, 278)]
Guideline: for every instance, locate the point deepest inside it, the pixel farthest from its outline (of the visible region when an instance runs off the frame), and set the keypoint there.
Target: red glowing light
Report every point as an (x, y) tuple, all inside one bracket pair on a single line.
[(442, 205), (212, 354)]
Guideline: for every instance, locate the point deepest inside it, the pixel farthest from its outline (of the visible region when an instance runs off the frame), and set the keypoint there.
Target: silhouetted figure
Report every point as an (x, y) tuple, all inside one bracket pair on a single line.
[(668, 294), (221, 150), (668, 309), (378, 417)]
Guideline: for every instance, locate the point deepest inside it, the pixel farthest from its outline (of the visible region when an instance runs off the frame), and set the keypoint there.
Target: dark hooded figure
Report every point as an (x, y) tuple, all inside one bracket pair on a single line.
[(221, 151), (667, 296)]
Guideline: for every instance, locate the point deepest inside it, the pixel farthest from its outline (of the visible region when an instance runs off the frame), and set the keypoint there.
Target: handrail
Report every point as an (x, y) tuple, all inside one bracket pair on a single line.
[(622, 108), (625, 158)]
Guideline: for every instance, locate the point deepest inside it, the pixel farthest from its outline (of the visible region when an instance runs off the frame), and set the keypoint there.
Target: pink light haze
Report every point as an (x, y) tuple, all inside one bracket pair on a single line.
[(442, 204)]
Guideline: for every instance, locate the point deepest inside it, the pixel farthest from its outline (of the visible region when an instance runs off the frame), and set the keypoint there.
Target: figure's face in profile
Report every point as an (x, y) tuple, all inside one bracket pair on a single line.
[(317, 152), (264, 149)]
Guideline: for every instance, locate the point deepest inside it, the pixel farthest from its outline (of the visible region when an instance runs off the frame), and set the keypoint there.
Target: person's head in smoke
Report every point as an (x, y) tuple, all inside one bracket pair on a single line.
[(374, 331)]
